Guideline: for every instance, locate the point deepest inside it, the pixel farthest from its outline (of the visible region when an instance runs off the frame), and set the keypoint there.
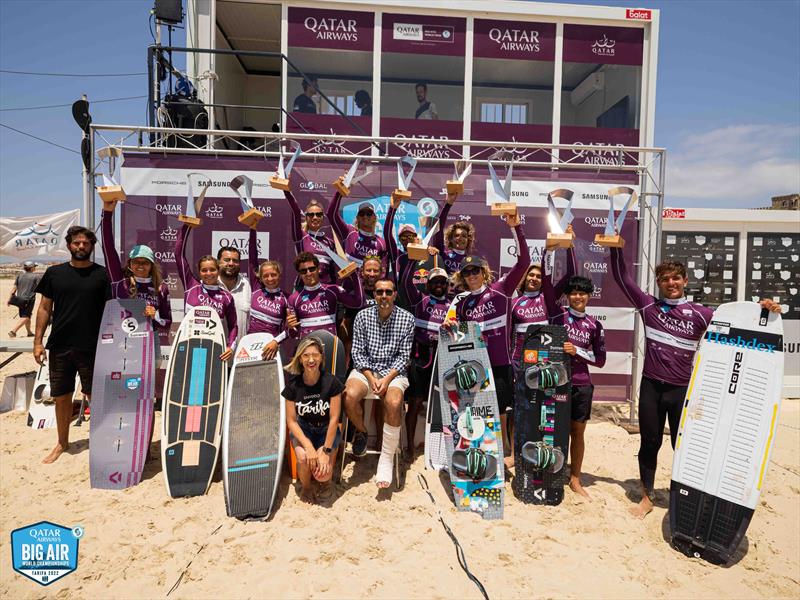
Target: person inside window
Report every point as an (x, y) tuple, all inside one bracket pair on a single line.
[(364, 102), (426, 108), (307, 101)]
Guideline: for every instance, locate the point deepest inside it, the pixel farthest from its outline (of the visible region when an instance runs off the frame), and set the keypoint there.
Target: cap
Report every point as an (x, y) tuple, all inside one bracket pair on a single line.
[(407, 227), (366, 206), (28, 264), (473, 261), (142, 251), (437, 272)]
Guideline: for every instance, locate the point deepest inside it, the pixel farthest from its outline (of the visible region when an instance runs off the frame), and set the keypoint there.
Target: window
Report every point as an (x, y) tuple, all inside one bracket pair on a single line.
[(504, 112), (345, 103)]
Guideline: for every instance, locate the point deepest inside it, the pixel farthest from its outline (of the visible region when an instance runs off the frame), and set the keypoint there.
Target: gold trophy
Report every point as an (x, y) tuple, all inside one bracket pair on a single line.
[(404, 181), (280, 181), (243, 186), (456, 186), (611, 237), (558, 237), (193, 205), (111, 191), (506, 207)]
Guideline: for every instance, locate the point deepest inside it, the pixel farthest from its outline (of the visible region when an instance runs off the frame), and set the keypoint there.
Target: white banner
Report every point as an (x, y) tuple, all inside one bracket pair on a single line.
[(586, 195), (172, 182), (42, 236)]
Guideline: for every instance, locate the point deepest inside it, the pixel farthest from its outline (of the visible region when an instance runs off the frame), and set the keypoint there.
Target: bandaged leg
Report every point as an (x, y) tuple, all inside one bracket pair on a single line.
[(391, 439)]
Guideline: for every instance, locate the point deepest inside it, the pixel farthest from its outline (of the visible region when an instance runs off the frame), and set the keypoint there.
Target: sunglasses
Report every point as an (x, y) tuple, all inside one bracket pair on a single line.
[(384, 292), (307, 270), (470, 271), (315, 215), (366, 213)]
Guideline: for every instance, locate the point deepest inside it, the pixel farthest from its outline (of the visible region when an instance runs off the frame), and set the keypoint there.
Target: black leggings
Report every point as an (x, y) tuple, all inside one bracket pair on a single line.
[(657, 402)]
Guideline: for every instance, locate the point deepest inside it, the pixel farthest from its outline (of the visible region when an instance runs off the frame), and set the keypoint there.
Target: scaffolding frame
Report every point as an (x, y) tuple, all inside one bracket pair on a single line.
[(647, 163)]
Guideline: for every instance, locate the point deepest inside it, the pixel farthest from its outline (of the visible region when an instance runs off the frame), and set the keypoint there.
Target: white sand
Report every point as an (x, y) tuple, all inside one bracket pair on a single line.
[(139, 541)]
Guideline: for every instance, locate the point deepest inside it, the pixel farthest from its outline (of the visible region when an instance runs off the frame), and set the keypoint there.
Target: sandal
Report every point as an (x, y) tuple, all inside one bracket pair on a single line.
[(12, 334)]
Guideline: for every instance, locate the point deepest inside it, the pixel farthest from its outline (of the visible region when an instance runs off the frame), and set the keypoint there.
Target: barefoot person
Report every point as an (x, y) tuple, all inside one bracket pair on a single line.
[(23, 296), (673, 328), (313, 406), (74, 294), (206, 291), (382, 338), (489, 304), (586, 347)]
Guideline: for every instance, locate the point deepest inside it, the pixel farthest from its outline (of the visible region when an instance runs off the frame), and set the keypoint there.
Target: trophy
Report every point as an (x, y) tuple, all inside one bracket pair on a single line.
[(428, 210), (403, 181), (243, 186), (346, 268), (611, 237), (558, 236), (456, 186), (343, 182), (506, 207), (193, 205), (280, 181), (111, 191)]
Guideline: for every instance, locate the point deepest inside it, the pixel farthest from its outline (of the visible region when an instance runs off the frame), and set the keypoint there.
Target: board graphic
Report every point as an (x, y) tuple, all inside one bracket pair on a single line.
[(123, 389), (253, 430), (193, 392), (728, 427), (542, 416), (42, 407), (471, 422), (435, 447)]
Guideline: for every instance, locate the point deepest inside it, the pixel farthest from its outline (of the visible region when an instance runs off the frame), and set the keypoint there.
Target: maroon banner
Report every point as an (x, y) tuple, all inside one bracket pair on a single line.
[(423, 34), (331, 29), (603, 45), (423, 128), (507, 132), (589, 136), (297, 122), (516, 40)]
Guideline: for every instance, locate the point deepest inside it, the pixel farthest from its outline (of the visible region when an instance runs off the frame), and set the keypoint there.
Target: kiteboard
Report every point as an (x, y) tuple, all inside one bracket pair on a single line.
[(42, 406), (193, 392), (471, 421), (253, 430), (435, 447), (727, 430), (123, 393), (542, 416)]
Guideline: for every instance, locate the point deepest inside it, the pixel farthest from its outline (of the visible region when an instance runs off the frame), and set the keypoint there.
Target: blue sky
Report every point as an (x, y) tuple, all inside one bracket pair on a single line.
[(727, 109)]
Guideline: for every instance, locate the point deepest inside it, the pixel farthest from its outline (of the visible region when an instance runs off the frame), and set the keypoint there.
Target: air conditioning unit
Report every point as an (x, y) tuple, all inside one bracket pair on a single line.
[(593, 83)]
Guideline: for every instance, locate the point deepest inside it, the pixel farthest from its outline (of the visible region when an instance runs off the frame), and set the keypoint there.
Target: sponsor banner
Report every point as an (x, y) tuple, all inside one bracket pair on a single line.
[(599, 44), (639, 14), (423, 128), (586, 195), (331, 29), (298, 122), (674, 213), (44, 551), (511, 133), (516, 40), (597, 136), (423, 34), (240, 241), (612, 318), (23, 238), (173, 182), (617, 363)]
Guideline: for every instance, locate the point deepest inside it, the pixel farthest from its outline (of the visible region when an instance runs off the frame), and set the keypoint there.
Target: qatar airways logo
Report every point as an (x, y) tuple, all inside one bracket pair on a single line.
[(171, 281), (532, 311), (436, 312), (515, 40), (266, 304), (214, 211), (165, 256), (596, 267), (577, 331), (594, 247), (315, 307), (169, 234), (425, 150), (480, 311), (332, 29), (407, 31), (675, 324), (206, 300), (596, 222), (170, 210), (604, 46), (266, 210)]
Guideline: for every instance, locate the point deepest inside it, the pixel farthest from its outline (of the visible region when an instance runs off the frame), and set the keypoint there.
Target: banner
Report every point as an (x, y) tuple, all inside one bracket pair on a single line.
[(156, 188), (331, 29), (42, 237), (515, 40), (424, 34), (598, 44)]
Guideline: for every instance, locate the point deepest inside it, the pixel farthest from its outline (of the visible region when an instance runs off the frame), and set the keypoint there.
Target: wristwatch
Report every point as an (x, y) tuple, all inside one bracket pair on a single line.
[(327, 450)]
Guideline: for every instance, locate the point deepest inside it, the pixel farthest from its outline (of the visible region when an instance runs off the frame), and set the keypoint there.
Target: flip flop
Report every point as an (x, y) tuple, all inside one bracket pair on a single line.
[(543, 457), (475, 464)]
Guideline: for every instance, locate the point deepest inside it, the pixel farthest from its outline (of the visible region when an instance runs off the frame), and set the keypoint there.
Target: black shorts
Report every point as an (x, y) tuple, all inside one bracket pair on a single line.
[(504, 384), (581, 402), (26, 310), (420, 371), (64, 364)]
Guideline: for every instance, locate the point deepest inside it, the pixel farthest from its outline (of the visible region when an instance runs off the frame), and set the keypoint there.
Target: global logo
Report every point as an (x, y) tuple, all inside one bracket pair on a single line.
[(165, 256), (214, 211), (311, 186), (446, 34), (169, 234), (604, 46), (171, 210)]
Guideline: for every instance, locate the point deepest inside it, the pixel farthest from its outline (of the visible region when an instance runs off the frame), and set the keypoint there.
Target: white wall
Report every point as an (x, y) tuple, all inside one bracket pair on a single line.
[(620, 81)]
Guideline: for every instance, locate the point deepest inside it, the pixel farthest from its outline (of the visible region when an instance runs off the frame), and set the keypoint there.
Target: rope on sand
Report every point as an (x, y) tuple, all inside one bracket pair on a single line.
[(189, 564), (462, 559)]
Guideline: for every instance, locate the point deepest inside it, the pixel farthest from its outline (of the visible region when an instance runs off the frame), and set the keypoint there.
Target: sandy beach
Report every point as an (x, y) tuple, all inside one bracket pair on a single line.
[(138, 542)]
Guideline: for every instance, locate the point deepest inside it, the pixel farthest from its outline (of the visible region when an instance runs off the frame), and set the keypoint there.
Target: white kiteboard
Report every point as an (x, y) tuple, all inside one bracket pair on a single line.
[(727, 430)]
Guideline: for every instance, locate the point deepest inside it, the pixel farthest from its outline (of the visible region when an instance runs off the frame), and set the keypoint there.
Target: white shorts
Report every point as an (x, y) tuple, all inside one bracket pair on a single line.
[(400, 382)]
